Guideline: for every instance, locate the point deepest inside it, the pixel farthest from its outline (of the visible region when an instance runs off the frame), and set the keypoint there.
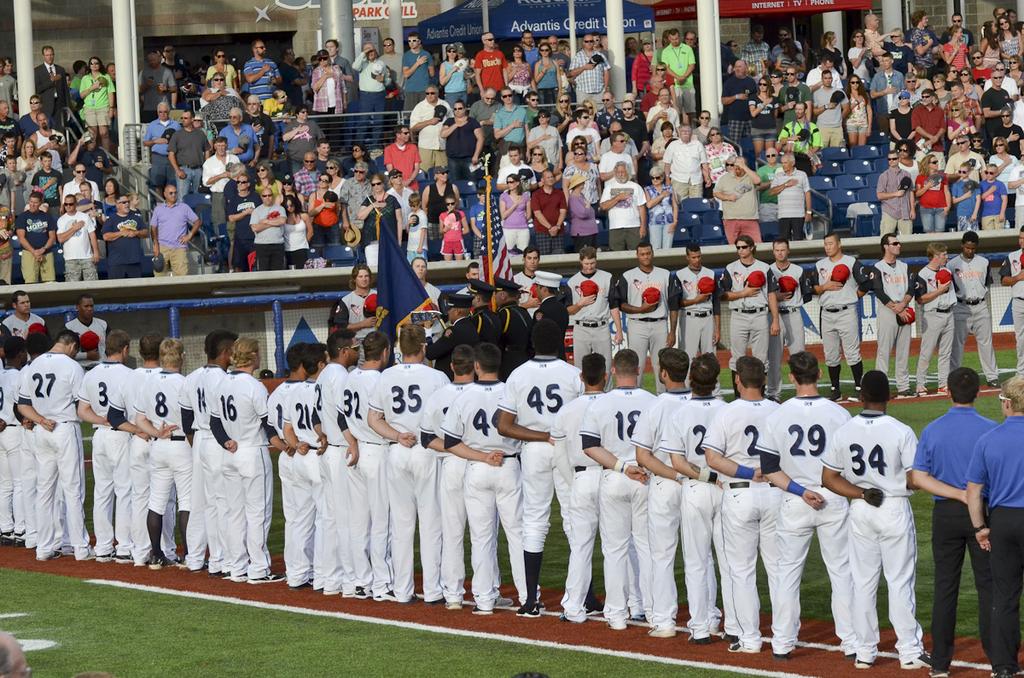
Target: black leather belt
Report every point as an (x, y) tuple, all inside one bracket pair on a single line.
[(787, 311), (837, 309), (972, 302), (591, 323), (744, 485), (579, 469), (510, 456), (943, 310), (698, 314), (749, 311), (178, 439), (650, 320)]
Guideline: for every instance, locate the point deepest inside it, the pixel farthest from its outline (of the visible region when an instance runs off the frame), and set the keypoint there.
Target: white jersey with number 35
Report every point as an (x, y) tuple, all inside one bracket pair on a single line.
[(402, 392), (737, 429), (687, 429), (874, 450), (799, 432), (538, 389), (612, 419)]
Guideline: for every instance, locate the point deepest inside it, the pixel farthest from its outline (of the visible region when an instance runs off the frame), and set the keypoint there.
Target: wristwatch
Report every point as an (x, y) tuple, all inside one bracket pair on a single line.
[(979, 529)]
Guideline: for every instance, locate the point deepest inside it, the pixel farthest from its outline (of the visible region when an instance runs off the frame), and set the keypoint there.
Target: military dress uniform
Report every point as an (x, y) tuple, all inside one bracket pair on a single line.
[(514, 327), (462, 331)]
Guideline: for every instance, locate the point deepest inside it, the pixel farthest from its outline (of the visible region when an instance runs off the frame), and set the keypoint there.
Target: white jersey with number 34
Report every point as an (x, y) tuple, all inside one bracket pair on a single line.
[(874, 450)]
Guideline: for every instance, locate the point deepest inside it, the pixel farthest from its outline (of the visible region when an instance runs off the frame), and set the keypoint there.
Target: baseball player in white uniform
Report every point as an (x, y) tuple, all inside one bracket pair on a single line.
[(605, 433), (795, 285), (664, 494), (972, 314), (839, 289), (36, 344), (492, 483), (582, 473), (750, 288), (531, 262), (158, 413), (933, 288), (683, 440), (12, 456), (868, 461), (295, 499), (103, 388), (700, 320), (206, 521), (796, 437), (335, 463), (749, 507), (533, 396), (304, 436), (238, 421), (368, 489), (1011, 274), (348, 312), (893, 288), (47, 393), (591, 308), (397, 407), (648, 296)]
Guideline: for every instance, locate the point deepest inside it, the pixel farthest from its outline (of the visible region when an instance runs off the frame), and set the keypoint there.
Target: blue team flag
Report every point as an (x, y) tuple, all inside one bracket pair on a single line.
[(400, 294)]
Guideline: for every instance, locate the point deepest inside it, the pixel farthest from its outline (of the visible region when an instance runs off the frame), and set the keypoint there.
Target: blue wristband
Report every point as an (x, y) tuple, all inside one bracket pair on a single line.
[(796, 488), (744, 472)]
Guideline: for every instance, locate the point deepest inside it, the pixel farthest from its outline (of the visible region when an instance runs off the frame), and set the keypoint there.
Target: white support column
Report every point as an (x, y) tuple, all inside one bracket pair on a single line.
[(24, 53), (833, 21), (892, 15), (616, 48), (395, 25), (346, 30), (709, 59), (485, 14), (447, 5), (572, 28), (136, 63), (127, 102), (330, 11), (1020, 12)]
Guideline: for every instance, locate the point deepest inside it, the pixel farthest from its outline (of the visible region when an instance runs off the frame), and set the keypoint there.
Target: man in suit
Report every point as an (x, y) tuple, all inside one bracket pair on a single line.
[(52, 87)]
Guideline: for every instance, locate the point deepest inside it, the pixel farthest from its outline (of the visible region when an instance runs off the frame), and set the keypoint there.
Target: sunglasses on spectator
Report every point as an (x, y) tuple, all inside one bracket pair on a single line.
[(323, 180), (242, 182), (506, 96), (892, 158), (715, 134), (69, 204), (771, 155), (933, 162), (122, 202), (893, 243), (450, 204), (266, 195), (376, 183), (776, 76), (963, 173), (359, 171)]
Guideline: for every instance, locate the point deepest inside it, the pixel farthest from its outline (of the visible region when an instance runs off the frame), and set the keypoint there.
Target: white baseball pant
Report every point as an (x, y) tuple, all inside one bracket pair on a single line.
[(885, 542), (583, 512), (938, 333), (112, 481), (797, 523), (841, 329), (748, 519), (453, 527), (138, 452), (170, 465), (205, 520), (489, 490), (25, 458), (412, 493), (664, 515), (791, 336), (60, 468), (974, 319), (249, 495), (300, 487), (11, 510), (648, 337), (1017, 306), (748, 330), (541, 480), (623, 523), (703, 527), (892, 334), (336, 546), (369, 516)]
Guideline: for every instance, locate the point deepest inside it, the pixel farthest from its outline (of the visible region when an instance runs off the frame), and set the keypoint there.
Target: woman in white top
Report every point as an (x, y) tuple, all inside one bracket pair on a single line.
[(298, 229), (398, 189), (218, 99), (333, 170), (859, 55)]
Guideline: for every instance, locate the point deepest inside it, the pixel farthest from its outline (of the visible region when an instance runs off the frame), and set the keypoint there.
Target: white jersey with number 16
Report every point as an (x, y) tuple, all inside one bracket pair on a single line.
[(241, 406)]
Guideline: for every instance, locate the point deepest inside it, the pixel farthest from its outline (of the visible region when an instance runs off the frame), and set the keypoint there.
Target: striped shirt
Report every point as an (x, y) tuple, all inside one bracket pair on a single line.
[(264, 87)]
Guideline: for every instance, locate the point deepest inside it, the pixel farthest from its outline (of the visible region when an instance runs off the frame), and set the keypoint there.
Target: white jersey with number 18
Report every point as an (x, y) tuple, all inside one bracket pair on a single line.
[(612, 419)]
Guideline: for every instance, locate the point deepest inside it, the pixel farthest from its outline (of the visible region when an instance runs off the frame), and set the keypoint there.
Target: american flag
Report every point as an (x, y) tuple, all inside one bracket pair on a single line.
[(496, 261)]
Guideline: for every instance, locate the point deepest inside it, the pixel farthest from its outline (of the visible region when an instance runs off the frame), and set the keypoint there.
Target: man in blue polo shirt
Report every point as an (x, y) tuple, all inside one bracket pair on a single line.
[(156, 139), (123, 235), (997, 470), (260, 74), (37, 232), (940, 467), (418, 71)]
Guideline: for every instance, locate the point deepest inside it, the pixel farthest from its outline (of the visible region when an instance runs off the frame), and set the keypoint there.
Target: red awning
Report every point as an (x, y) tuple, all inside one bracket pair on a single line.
[(686, 10)]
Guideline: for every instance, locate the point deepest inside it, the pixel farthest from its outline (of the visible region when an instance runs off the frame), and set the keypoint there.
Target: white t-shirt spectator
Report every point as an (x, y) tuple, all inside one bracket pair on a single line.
[(74, 187), (1016, 174), (610, 160), (791, 200), (268, 236), (684, 161), (509, 169), (213, 166), (625, 214), (592, 135), (429, 136), (295, 236), (77, 246)]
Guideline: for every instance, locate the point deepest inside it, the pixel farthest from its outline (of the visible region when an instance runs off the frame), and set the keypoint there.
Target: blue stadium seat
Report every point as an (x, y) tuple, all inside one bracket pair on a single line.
[(769, 230), (697, 205), (682, 237), (867, 194), (831, 169), (850, 181), (879, 165), (828, 154), (859, 167), (868, 225), (465, 187), (689, 221), (339, 255), (195, 199), (878, 138), (707, 234), (711, 218), (821, 183), (868, 152)]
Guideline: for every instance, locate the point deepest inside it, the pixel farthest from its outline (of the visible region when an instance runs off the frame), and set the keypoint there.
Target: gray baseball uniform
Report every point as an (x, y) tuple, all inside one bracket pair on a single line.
[(749, 320), (840, 317), (938, 326), (525, 283), (791, 322), (647, 333), (893, 283), (590, 332), (972, 314), (697, 320), (1011, 267)]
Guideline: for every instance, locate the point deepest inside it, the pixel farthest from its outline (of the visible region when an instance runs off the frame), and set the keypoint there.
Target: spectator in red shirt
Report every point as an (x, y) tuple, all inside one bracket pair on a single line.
[(489, 64), (929, 121), (549, 209), (404, 156), (932, 193)]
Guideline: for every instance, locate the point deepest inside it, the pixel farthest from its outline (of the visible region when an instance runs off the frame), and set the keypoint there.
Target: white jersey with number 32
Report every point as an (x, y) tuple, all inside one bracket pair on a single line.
[(355, 404), (874, 450), (799, 432)]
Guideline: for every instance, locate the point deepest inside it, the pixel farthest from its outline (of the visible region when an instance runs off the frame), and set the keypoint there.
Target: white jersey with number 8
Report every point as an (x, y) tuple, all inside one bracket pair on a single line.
[(162, 400), (874, 450)]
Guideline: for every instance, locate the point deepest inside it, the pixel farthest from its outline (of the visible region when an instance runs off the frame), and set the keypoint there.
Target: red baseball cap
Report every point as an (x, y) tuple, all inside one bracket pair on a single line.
[(651, 295), (589, 288), (911, 317), (706, 285), (89, 341), (943, 276), (788, 283), (841, 273), (370, 305), (756, 279)]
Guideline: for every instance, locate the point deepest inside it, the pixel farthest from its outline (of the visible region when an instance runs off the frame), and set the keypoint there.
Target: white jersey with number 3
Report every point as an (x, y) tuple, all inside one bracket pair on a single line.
[(874, 450), (51, 384), (799, 432), (402, 392), (612, 419), (104, 387), (538, 389), (737, 429), (686, 431), (331, 381)]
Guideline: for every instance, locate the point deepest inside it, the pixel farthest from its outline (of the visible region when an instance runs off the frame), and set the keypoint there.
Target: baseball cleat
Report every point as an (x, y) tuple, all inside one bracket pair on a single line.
[(19, 539), (502, 601), (563, 618), (706, 640), (861, 664), (835, 395), (617, 625), (738, 647), (782, 657), (332, 592), (938, 673), (439, 601), (89, 555), (482, 612), (594, 611), (53, 555), (360, 593), (994, 383), (922, 661), (67, 550), (943, 391), (530, 611), (386, 597), (105, 558), (269, 578), (304, 585), (904, 394), (668, 632), (453, 605), (121, 559), (921, 392), (240, 579), (6, 539), (639, 618), (730, 638), (158, 563)]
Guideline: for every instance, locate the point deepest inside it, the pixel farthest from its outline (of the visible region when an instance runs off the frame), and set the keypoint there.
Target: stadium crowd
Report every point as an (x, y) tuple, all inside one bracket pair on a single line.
[(905, 131)]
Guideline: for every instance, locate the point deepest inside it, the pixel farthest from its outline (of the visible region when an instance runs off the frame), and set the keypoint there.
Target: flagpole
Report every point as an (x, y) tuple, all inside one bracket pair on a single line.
[(489, 273)]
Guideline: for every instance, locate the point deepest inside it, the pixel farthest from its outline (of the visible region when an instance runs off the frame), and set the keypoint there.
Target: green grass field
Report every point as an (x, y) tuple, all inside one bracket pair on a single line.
[(209, 638)]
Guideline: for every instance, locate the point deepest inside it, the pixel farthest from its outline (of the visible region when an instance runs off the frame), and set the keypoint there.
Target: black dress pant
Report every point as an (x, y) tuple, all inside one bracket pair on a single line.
[(952, 535), (1007, 537), (270, 257)]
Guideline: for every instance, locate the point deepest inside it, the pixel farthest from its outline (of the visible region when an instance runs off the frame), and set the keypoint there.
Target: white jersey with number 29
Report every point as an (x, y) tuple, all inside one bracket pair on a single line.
[(799, 432)]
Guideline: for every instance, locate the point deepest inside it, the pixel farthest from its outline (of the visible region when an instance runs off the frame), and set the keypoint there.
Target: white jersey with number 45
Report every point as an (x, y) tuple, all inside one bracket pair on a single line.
[(874, 450), (798, 434), (538, 389)]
